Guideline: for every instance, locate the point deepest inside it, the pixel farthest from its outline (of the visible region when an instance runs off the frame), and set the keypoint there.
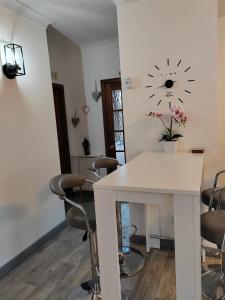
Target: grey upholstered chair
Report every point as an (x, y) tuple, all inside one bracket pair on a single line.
[(211, 197), (213, 231), (131, 260), (81, 217)]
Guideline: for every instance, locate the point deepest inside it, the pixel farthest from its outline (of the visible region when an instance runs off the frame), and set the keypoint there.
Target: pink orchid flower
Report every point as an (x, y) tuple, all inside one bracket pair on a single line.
[(178, 115)]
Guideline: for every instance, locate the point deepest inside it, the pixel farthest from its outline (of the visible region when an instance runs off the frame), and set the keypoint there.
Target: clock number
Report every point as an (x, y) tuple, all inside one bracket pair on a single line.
[(157, 67), (187, 91), (187, 69), (168, 62), (180, 100), (169, 94), (152, 96)]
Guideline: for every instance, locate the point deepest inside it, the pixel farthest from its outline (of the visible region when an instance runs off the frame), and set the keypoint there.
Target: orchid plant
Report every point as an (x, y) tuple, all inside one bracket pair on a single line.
[(177, 117)]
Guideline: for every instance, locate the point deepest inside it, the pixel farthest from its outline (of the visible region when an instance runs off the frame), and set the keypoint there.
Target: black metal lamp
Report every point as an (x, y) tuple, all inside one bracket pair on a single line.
[(14, 62)]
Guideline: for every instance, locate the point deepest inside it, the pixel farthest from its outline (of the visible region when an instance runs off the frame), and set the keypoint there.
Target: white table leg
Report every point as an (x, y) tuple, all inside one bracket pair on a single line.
[(105, 207), (187, 247)]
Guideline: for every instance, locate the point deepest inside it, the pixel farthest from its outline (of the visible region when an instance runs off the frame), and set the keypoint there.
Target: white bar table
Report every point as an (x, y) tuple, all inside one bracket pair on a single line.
[(153, 178)]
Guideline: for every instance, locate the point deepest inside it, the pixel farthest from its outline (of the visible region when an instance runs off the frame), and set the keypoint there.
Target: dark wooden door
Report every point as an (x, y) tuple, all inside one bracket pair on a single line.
[(62, 131), (113, 119)]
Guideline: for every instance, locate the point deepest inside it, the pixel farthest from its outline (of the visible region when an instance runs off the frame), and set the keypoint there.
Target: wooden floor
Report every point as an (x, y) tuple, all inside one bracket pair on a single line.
[(59, 267)]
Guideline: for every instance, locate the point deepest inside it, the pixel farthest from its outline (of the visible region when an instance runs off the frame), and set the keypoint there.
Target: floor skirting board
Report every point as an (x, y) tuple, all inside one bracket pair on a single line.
[(12, 264)]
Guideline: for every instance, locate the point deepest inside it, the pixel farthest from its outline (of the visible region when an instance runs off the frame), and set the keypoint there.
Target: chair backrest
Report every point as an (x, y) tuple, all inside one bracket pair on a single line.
[(61, 182), (105, 163)]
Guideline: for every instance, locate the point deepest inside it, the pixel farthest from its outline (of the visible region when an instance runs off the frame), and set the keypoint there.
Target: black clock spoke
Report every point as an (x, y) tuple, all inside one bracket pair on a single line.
[(180, 100), (179, 63), (187, 69), (159, 102)]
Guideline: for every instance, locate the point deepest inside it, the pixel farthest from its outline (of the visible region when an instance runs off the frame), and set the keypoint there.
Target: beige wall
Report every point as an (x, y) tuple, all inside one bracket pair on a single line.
[(221, 35), (66, 61), (29, 150), (150, 31)]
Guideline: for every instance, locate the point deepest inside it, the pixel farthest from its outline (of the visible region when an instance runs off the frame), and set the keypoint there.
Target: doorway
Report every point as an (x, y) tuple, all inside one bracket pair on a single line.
[(62, 130), (112, 106)]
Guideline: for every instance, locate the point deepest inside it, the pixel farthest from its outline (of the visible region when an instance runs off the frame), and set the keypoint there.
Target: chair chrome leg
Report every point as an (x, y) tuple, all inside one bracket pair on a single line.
[(96, 297), (90, 289), (213, 283), (212, 286), (96, 291)]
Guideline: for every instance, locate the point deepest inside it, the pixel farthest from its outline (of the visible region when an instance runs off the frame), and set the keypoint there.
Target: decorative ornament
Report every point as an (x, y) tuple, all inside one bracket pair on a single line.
[(96, 95), (75, 120)]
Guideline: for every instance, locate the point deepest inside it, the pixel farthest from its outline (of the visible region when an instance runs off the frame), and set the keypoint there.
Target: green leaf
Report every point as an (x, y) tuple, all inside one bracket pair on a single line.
[(164, 137), (176, 136)]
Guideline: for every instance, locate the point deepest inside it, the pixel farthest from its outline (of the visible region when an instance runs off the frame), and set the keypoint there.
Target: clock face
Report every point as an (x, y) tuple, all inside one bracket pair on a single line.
[(170, 82)]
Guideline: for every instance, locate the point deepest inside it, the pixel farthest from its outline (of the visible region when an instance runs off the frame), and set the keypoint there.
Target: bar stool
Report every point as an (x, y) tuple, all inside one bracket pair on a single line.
[(81, 217), (131, 260), (211, 197), (213, 230)]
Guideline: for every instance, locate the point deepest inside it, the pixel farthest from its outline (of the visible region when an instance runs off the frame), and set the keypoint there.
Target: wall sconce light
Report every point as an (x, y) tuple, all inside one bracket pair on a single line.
[(14, 62)]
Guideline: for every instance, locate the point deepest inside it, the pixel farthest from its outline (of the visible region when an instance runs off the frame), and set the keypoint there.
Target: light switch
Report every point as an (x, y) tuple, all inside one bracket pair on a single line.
[(128, 83)]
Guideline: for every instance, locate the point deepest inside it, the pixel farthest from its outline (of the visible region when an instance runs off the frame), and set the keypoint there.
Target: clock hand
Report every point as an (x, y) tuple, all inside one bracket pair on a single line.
[(161, 86)]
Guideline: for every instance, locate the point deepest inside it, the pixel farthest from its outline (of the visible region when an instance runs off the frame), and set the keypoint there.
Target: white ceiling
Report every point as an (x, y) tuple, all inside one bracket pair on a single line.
[(83, 21)]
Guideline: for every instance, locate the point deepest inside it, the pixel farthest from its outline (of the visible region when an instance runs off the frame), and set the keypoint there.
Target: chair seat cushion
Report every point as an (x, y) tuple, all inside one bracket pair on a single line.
[(206, 195), (76, 219), (213, 226)]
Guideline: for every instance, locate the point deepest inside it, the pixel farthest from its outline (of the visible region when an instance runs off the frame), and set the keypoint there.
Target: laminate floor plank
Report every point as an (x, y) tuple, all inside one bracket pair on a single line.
[(56, 270)]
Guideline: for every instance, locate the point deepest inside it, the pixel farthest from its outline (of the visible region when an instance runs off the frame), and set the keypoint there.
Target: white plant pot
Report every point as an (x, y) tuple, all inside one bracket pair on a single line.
[(170, 147)]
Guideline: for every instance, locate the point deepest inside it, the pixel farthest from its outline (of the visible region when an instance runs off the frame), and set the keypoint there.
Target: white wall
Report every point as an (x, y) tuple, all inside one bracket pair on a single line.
[(221, 39), (66, 61), (100, 61), (29, 151), (150, 31)]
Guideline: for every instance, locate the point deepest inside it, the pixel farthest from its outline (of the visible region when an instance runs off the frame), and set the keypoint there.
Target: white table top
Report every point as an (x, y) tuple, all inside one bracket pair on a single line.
[(179, 173)]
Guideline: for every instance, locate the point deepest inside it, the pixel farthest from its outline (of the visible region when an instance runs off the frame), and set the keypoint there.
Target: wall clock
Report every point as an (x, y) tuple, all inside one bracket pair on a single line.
[(170, 82)]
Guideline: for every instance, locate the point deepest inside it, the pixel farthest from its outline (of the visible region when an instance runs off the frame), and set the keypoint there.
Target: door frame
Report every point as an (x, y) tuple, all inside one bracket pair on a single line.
[(104, 109)]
